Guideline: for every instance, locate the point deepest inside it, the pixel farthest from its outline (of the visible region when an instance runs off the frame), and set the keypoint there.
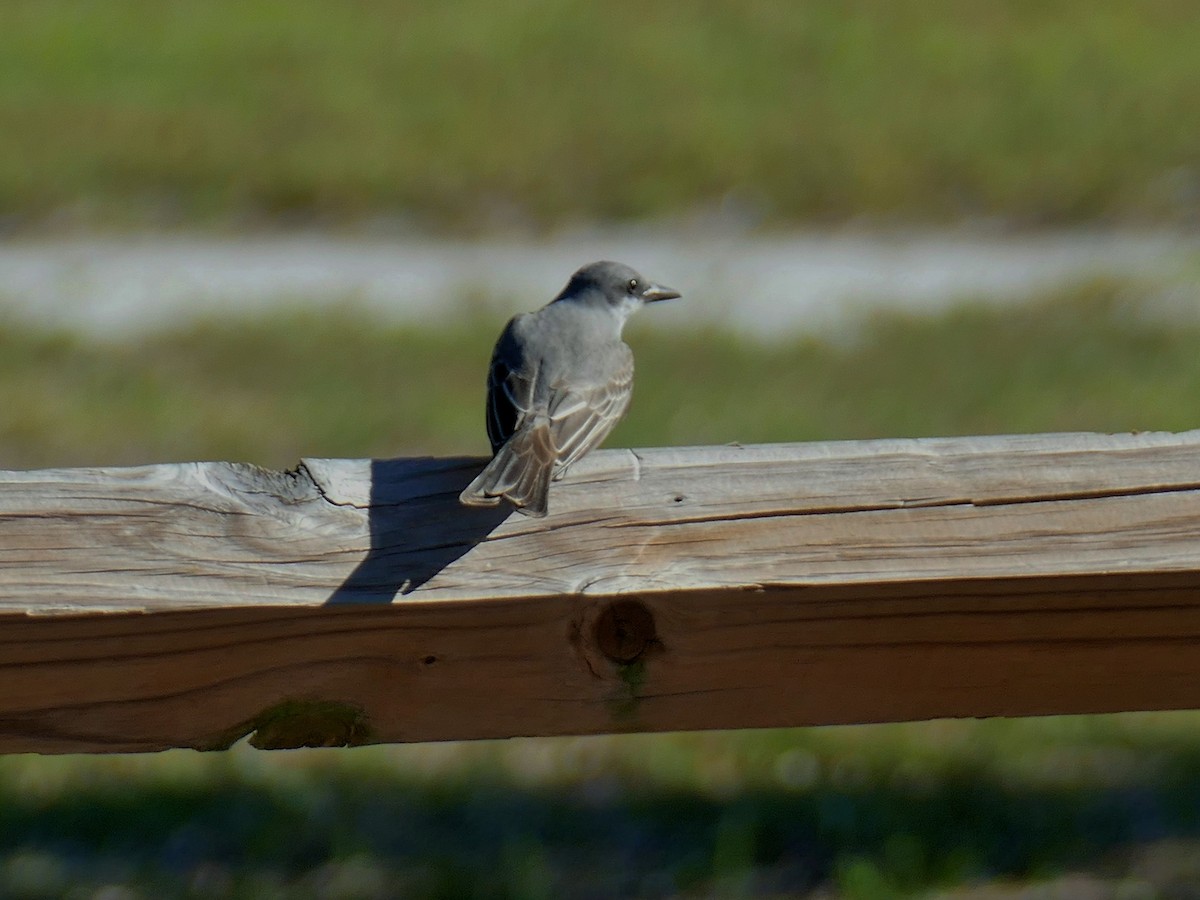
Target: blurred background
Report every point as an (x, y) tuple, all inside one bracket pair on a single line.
[(244, 230)]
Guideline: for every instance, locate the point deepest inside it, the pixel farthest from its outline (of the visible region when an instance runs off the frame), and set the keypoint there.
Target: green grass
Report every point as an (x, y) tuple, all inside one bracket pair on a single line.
[(862, 812), (273, 389), (867, 811), (470, 115)]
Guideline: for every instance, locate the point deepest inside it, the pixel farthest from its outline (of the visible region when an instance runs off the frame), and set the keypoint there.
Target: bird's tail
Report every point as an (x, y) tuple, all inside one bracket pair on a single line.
[(520, 472)]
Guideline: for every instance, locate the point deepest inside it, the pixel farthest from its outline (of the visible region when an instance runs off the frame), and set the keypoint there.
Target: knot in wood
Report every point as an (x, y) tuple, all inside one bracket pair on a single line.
[(625, 630)]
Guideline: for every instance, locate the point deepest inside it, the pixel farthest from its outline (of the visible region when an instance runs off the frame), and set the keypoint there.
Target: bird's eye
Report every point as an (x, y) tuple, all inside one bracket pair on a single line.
[(633, 285)]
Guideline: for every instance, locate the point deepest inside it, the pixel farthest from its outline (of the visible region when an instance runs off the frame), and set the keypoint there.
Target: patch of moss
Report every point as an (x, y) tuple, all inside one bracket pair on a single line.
[(300, 723)]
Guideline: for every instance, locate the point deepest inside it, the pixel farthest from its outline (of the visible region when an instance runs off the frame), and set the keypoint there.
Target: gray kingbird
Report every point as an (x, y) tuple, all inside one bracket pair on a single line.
[(560, 379)]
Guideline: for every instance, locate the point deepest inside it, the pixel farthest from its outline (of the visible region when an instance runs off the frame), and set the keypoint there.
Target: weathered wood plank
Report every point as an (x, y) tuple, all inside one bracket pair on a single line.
[(350, 600)]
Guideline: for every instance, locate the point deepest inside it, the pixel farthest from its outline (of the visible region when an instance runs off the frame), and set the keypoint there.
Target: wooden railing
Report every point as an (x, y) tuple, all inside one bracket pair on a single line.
[(354, 601)]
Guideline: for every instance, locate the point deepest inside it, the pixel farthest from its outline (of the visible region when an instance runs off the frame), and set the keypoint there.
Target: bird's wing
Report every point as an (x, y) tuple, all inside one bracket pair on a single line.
[(582, 416), (510, 396)]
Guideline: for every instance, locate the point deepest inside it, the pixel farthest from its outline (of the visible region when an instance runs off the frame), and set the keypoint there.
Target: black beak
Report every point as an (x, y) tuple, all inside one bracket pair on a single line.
[(658, 292)]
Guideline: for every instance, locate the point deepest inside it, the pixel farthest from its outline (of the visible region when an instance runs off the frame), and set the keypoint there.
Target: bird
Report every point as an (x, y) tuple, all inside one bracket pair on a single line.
[(560, 378)]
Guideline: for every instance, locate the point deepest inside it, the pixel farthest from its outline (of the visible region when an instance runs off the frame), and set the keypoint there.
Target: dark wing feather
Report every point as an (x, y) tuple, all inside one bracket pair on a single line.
[(509, 393), (502, 413)]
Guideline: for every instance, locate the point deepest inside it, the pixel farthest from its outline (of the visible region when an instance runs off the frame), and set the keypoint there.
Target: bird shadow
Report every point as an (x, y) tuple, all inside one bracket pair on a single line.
[(417, 526)]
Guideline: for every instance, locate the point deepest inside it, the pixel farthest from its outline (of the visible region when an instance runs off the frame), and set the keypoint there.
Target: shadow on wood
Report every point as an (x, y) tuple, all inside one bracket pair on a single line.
[(415, 537)]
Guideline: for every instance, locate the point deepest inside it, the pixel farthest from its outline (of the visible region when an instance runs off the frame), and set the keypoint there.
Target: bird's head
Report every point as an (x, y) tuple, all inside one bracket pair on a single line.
[(616, 286)]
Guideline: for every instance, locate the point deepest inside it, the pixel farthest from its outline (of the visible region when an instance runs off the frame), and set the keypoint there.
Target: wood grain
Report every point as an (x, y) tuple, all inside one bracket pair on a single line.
[(351, 601)]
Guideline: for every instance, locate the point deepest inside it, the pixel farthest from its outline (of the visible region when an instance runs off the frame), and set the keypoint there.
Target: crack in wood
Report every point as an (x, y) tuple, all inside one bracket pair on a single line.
[(900, 505)]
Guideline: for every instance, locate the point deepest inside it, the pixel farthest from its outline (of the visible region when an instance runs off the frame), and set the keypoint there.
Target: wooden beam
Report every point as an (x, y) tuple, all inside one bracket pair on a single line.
[(353, 601)]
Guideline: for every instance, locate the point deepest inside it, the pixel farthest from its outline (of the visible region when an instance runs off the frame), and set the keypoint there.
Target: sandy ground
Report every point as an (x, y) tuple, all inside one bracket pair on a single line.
[(763, 285)]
